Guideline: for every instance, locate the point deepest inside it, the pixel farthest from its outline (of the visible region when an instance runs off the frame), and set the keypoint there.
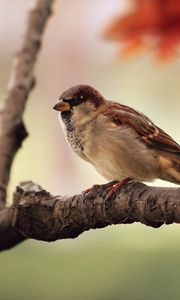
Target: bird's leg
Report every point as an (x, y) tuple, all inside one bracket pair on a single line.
[(108, 185), (117, 187)]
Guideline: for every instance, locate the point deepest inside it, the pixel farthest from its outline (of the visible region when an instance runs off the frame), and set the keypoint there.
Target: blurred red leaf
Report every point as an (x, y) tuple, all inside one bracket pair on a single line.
[(152, 23)]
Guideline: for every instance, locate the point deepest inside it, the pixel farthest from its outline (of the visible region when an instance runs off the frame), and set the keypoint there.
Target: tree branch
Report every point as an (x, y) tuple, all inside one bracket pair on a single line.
[(21, 82), (37, 214)]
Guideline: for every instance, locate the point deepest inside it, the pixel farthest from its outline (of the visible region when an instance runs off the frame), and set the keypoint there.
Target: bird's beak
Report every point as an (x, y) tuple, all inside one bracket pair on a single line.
[(62, 106)]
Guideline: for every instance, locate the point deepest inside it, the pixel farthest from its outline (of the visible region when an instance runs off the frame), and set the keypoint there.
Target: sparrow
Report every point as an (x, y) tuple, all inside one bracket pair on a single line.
[(119, 141)]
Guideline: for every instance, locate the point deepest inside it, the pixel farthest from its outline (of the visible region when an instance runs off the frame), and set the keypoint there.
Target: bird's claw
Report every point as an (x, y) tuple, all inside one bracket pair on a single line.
[(106, 185), (89, 190), (117, 187)]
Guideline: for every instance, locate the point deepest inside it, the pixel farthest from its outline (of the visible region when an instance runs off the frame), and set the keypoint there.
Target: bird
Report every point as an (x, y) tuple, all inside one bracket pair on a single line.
[(119, 141)]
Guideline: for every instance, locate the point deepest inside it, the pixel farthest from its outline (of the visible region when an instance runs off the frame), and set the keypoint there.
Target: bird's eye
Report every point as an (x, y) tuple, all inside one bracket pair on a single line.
[(74, 101)]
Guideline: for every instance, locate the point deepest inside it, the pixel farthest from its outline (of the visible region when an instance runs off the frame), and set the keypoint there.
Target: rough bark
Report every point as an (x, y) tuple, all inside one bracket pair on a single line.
[(37, 214)]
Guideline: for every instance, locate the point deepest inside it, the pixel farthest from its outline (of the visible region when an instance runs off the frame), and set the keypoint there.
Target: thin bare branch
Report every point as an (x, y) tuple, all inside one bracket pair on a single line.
[(12, 129)]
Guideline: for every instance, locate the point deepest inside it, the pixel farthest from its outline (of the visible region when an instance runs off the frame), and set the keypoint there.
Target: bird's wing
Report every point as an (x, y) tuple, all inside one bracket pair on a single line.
[(148, 132)]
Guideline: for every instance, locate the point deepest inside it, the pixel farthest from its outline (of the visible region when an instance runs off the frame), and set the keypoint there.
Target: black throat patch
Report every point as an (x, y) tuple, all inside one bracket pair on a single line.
[(67, 119), (74, 136)]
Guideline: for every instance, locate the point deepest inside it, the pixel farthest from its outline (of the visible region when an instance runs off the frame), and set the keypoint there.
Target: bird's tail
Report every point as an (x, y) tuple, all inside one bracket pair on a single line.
[(170, 167)]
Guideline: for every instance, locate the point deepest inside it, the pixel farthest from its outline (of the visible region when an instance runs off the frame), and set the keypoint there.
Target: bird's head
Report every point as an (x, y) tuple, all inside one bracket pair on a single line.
[(81, 102)]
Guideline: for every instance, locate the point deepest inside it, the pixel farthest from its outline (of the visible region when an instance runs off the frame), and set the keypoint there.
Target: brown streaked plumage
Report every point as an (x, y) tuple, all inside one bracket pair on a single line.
[(116, 139)]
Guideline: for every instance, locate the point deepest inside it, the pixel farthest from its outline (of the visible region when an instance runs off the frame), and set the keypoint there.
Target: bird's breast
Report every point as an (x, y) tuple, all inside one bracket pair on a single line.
[(76, 138), (115, 152)]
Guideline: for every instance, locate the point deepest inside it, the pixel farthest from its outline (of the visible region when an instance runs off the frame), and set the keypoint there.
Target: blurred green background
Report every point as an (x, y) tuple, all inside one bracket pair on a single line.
[(120, 262)]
